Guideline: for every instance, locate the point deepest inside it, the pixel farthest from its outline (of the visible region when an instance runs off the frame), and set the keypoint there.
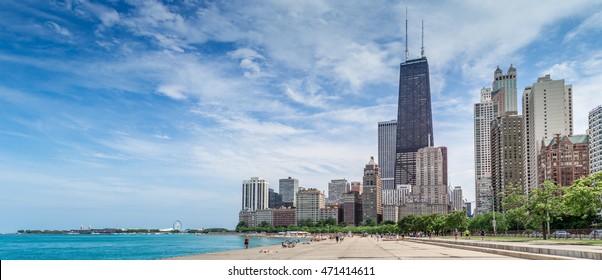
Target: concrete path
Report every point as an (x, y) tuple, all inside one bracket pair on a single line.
[(363, 248), (528, 250)]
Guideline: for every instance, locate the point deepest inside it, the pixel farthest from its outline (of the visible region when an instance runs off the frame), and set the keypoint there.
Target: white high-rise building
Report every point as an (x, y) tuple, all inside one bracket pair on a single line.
[(547, 111), (484, 113), (336, 189), (255, 194), (458, 200), (396, 196), (387, 135), (595, 140)]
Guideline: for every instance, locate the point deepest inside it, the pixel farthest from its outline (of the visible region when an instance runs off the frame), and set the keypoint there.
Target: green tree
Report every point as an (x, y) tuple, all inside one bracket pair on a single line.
[(369, 222), (330, 222), (406, 224), (423, 223), (484, 222), (305, 223), (387, 228), (583, 199), (545, 205), (242, 226), (438, 222), (514, 203), (456, 220)]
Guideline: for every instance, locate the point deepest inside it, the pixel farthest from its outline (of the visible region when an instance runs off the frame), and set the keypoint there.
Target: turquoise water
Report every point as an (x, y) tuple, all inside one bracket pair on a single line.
[(118, 246)]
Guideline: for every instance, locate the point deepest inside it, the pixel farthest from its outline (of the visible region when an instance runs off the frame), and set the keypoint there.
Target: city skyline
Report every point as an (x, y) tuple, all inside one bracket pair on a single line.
[(139, 114)]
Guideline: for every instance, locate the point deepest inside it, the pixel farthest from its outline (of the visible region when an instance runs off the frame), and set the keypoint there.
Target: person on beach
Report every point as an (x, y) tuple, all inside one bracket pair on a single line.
[(456, 234), (247, 242)]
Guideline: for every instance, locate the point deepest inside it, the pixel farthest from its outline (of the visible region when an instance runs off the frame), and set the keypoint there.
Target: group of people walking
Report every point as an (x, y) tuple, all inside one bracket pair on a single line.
[(340, 237), (467, 234)]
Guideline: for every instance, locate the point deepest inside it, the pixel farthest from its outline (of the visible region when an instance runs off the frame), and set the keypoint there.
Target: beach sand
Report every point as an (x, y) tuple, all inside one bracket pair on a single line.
[(349, 249)]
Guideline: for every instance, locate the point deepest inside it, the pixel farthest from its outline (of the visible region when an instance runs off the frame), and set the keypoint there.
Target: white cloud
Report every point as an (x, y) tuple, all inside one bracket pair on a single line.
[(249, 126), (358, 65), (162, 136), (593, 22), (108, 16), (564, 70), (58, 29), (244, 53), (311, 99), (173, 91), (251, 61)]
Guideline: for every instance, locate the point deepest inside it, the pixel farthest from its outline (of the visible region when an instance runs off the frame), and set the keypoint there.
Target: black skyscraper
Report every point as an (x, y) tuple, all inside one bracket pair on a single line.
[(414, 118)]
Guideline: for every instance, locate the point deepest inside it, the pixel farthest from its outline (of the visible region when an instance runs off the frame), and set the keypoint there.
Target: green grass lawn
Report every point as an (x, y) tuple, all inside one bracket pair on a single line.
[(569, 241)]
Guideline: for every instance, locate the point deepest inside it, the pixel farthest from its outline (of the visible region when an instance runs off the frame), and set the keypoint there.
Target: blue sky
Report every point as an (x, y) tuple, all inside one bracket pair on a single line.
[(140, 113)]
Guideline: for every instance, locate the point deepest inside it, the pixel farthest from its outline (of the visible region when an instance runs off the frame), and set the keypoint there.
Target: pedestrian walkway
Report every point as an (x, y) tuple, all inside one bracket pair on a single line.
[(527, 250), (351, 248)]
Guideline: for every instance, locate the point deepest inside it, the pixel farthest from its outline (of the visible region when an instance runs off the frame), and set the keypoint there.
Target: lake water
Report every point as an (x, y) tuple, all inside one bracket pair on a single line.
[(118, 246)]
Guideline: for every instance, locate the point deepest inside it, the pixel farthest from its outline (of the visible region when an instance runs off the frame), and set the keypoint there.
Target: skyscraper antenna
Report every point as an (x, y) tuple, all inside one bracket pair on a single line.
[(422, 48), (407, 53)]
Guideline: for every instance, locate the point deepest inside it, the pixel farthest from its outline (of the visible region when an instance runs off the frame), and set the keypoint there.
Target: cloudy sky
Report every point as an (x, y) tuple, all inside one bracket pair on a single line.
[(140, 113)]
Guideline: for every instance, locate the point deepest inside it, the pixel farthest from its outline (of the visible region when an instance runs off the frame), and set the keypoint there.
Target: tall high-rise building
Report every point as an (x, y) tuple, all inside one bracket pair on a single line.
[(508, 84), (336, 189), (502, 98), (484, 113), (387, 133), (458, 199), (431, 175), (595, 140), (547, 111), (309, 203), (352, 208), (255, 194), (506, 155), (275, 199), (414, 118), (431, 194), (372, 206), (288, 189), (564, 159)]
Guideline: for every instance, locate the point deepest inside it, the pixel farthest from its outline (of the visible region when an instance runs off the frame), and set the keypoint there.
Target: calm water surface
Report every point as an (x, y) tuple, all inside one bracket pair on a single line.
[(118, 246)]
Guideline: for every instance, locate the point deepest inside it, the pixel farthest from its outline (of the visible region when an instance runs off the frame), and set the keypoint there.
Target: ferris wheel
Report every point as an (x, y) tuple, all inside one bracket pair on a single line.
[(177, 225)]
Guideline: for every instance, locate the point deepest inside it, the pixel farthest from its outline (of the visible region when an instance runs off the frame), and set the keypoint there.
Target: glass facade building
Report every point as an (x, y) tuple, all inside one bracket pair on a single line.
[(414, 118), (387, 132)]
